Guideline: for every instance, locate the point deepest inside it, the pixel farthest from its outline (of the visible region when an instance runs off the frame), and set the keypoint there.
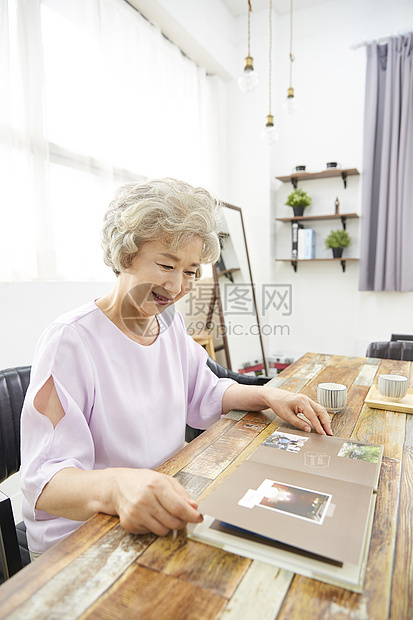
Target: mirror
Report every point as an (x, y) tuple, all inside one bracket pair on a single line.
[(237, 306)]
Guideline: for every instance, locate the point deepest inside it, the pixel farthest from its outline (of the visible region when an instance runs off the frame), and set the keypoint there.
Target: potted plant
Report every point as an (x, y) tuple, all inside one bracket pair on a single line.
[(298, 200), (337, 240)]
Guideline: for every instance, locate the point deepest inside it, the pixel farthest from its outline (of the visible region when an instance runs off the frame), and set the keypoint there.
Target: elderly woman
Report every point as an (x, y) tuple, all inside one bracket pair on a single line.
[(114, 382)]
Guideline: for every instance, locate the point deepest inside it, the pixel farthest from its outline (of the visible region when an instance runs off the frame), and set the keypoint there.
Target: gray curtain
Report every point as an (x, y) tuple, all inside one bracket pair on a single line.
[(386, 253)]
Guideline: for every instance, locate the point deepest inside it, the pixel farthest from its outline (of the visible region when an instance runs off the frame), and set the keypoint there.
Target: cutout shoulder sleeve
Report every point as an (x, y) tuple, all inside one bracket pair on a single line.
[(45, 450)]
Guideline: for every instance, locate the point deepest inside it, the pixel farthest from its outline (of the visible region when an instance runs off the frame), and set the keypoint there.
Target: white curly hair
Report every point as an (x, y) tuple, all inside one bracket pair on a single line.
[(165, 210)]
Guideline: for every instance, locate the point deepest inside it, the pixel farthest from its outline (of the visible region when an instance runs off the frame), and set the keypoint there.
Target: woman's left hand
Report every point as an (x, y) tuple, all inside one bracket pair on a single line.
[(287, 405)]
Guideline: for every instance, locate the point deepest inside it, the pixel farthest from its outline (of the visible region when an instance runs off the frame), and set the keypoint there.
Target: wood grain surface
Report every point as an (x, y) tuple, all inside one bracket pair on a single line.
[(100, 571)]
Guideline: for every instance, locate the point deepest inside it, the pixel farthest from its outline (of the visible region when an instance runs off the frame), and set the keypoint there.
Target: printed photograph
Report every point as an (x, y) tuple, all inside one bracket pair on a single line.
[(285, 441), (296, 501), (353, 450)]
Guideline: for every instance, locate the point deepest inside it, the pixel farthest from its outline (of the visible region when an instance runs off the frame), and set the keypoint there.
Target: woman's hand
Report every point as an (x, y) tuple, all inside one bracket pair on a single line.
[(144, 500), (147, 501), (287, 405)]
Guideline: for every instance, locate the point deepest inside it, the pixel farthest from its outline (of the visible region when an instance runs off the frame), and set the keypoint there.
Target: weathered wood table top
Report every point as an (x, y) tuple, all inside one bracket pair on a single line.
[(100, 571)]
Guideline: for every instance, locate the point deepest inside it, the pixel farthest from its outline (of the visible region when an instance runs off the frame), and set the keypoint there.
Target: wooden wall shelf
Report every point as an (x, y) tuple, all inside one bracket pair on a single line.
[(305, 218), (294, 261), (294, 177)]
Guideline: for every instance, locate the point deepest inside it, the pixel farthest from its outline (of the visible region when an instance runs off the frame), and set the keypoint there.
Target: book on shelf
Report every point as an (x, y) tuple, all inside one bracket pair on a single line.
[(306, 243), (302, 502), (295, 227)]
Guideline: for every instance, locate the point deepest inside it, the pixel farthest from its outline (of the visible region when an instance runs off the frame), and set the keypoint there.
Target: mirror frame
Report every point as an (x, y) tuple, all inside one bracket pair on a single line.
[(221, 314)]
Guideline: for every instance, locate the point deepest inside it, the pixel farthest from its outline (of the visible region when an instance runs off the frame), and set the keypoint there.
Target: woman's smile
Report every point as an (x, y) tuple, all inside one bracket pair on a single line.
[(161, 299)]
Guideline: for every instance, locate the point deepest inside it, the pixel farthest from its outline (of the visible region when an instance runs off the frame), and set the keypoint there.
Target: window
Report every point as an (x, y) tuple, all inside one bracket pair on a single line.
[(93, 96)]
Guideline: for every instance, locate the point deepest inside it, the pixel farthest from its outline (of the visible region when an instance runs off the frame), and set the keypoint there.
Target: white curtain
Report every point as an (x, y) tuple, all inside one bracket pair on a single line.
[(92, 96)]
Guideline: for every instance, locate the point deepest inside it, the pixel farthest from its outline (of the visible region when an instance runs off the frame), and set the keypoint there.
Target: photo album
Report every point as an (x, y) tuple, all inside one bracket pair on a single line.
[(303, 502)]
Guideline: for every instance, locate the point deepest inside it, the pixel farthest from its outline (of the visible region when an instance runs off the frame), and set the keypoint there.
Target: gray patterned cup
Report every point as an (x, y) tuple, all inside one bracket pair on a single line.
[(393, 387), (332, 396)]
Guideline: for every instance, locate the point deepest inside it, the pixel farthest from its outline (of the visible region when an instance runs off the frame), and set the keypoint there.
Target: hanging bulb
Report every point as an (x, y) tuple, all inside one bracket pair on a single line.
[(249, 78), (290, 104), (269, 134)]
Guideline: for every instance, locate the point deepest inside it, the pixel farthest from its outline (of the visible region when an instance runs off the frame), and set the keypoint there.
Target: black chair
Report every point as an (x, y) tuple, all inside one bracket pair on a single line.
[(14, 553), (391, 350), (221, 372), (404, 337)]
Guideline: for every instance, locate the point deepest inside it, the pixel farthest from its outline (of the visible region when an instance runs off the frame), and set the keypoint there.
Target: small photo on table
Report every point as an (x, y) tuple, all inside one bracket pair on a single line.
[(285, 441)]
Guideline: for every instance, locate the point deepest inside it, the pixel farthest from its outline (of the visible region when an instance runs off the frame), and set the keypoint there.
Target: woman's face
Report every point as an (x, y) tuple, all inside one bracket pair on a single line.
[(158, 277)]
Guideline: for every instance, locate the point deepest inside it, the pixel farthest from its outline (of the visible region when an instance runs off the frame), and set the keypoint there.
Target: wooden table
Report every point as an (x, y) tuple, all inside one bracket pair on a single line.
[(100, 571)]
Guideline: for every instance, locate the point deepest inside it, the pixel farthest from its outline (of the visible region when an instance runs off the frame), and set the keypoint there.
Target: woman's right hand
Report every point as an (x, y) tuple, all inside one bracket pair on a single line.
[(147, 501)]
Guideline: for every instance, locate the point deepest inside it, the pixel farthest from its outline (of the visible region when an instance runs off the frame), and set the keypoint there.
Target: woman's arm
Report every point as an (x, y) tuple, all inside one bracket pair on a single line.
[(144, 500), (286, 405)]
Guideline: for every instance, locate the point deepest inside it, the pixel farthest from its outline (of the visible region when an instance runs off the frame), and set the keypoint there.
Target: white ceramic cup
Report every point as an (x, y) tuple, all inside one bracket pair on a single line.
[(332, 396), (393, 387)]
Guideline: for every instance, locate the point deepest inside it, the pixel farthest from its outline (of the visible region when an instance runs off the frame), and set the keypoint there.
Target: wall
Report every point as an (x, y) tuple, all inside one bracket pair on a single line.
[(248, 158), (328, 313), (27, 308)]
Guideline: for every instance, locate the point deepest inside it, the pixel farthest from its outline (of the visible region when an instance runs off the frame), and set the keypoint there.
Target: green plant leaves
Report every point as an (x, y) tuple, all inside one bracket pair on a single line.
[(298, 198), (338, 239)]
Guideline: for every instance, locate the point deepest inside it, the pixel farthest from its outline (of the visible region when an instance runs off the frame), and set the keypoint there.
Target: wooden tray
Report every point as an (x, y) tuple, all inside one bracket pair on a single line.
[(376, 401)]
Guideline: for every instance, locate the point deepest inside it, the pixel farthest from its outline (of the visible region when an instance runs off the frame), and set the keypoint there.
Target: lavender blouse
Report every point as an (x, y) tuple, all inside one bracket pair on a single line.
[(125, 404)]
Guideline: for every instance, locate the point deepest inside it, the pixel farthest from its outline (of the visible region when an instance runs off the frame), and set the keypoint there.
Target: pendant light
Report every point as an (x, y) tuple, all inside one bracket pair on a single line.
[(249, 78), (290, 105), (269, 134)]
